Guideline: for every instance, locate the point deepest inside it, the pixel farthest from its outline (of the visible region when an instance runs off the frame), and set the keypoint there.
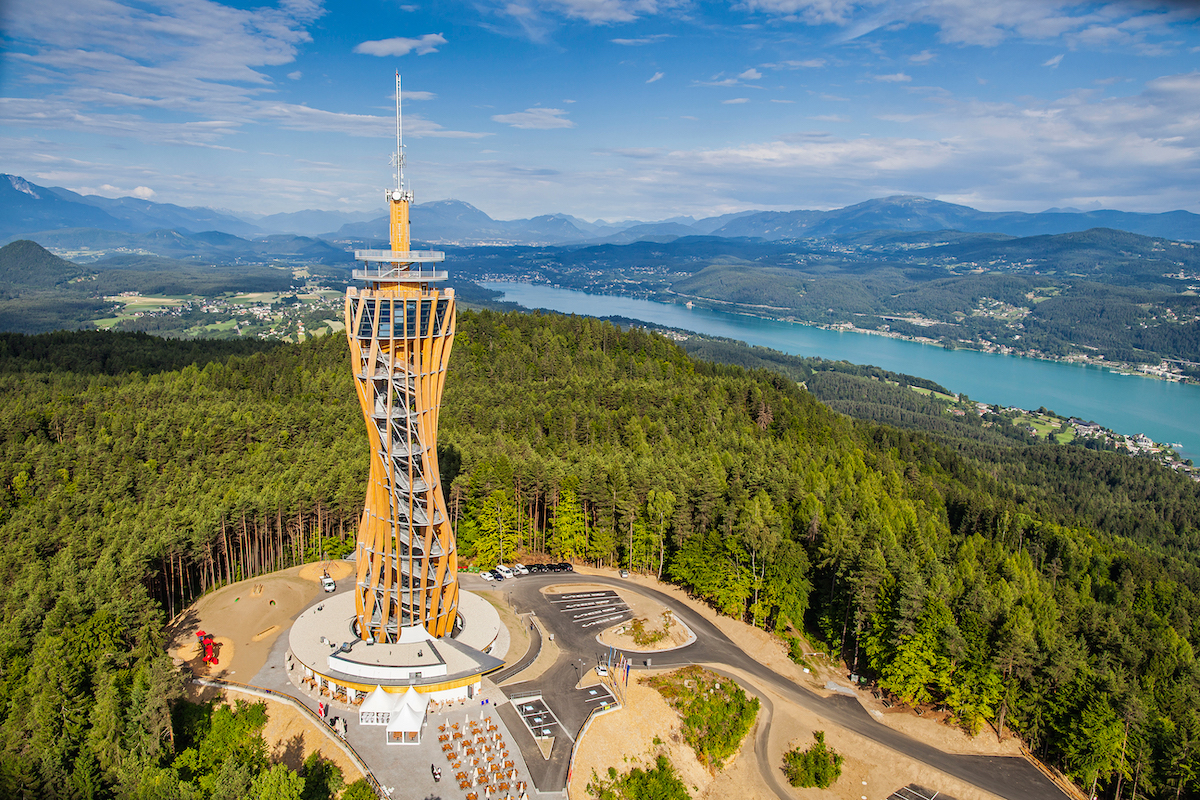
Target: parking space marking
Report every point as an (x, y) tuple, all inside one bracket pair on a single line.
[(538, 717), (916, 792), (589, 609)]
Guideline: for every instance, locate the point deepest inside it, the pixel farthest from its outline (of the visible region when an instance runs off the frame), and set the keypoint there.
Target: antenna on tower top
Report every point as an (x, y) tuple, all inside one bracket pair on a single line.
[(399, 140)]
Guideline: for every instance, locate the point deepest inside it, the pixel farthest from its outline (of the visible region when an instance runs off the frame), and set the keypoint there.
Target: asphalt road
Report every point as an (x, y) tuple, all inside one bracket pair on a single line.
[(1007, 777)]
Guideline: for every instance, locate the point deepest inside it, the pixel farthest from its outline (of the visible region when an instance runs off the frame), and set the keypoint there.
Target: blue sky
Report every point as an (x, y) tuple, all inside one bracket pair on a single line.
[(608, 109)]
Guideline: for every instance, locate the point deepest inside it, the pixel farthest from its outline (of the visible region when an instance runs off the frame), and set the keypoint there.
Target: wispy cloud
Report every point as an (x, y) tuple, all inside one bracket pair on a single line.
[(897, 77), (738, 80), (634, 152), (642, 40), (303, 118), (923, 57), (987, 24), (735, 101), (808, 63), (1054, 62), (658, 76), (401, 46), (536, 119)]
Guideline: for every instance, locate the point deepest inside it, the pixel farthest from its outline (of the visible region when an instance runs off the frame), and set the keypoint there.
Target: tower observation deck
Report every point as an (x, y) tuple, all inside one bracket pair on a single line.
[(401, 328)]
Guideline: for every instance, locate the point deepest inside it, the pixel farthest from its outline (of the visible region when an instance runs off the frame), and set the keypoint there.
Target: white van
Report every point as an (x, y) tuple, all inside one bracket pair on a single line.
[(503, 570)]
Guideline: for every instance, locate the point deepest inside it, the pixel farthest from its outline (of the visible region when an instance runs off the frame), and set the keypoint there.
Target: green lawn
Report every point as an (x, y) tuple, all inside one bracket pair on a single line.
[(932, 393)]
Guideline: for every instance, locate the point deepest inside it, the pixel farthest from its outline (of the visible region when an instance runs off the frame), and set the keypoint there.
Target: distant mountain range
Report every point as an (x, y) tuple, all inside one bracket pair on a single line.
[(36, 212)]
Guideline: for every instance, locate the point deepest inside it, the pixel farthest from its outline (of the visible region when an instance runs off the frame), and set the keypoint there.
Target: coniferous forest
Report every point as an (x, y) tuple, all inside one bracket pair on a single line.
[(970, 577)]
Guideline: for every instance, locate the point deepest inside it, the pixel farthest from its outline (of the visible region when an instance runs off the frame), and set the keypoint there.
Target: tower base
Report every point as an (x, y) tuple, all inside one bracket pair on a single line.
[(340, 665)]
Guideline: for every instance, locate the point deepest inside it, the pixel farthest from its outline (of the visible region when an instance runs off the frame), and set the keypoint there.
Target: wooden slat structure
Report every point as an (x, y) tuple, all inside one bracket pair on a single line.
[(400, 330)]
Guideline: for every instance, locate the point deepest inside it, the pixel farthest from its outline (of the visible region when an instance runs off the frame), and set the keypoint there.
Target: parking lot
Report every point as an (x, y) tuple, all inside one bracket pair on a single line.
[(541, 721), (915, 792), (592, 610), (537, 716), (597, 696)]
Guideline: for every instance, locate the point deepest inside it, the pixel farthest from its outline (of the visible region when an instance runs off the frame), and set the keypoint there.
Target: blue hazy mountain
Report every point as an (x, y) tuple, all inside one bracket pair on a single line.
[(26, 208), (206, 246), (311, 221), (910, 213), (137, 215), (453, 221)]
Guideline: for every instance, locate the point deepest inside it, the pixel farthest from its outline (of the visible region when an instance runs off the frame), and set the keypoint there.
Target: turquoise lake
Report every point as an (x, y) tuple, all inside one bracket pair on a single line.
[(1164, 411)]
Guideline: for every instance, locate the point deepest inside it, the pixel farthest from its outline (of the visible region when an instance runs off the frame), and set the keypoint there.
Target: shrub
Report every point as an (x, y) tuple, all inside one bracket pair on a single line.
[(643, 637), (359, 790), (658, 783), (716, 712), (816, 766)]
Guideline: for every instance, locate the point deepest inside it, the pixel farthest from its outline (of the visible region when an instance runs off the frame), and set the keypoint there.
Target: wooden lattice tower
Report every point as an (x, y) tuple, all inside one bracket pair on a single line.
[(400, 330)]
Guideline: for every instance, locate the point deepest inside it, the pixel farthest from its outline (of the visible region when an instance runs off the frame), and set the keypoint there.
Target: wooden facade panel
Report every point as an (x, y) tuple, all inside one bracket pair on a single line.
[(405, 519)]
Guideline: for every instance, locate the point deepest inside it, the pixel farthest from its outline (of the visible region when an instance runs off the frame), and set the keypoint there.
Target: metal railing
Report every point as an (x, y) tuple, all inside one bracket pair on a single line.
[(399, 255), (401, 275), (587, 723)]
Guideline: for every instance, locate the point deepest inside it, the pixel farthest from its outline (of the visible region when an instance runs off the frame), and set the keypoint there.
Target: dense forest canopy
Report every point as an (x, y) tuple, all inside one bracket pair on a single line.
[(123, 496)]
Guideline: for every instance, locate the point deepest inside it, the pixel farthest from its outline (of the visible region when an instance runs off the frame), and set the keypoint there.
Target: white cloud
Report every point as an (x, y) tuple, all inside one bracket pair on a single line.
[(642, 40), (636, 152), (1139, 153), (536, 119), (988, 24), (295, 76), (658, 76), (402, 46), (830, 118), (750, 75), (1054, 62), (530, 13), (808, 63), (898, 77), (415, 95), (143, 192), (923, 57), (783, 101), (735, 101), (304, 118)]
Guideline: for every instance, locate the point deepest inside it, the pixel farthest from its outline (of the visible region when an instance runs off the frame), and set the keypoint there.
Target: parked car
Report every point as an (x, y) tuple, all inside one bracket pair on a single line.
[(624, 573), (565, 567), (327, 583), (487, 576), (601, 670), (502, 570), (520, 569)]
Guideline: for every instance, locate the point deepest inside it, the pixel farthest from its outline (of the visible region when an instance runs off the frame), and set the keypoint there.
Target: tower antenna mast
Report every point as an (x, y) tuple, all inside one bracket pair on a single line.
[(399, 140)]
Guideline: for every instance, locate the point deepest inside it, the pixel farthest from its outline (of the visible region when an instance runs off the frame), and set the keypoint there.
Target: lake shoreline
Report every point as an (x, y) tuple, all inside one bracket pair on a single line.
[(1119, 367), (1167, 411)]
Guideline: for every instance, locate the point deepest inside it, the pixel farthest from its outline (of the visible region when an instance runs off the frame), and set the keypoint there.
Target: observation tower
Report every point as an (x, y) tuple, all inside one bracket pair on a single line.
[(400, 329), (404, 623)]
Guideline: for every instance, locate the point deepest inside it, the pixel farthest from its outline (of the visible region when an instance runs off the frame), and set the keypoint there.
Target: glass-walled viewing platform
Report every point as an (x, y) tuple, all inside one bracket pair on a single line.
[(393, 266)]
